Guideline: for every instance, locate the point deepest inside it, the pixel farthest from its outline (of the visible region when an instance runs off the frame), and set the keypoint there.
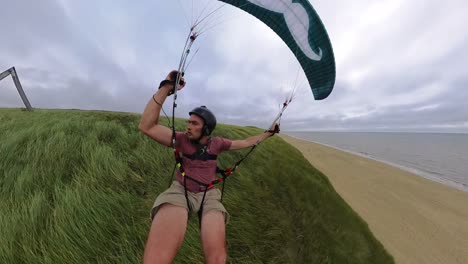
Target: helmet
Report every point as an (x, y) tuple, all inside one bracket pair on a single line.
[(208, 118)]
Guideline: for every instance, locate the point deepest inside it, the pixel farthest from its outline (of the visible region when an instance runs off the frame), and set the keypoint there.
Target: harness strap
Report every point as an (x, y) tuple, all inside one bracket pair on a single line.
[(225, 173), (204, 157), (200, 211), (207, 187), (186, 196)]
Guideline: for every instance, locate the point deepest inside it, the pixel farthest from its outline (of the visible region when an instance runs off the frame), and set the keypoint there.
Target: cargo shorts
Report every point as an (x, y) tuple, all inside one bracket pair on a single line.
[(175, 195)]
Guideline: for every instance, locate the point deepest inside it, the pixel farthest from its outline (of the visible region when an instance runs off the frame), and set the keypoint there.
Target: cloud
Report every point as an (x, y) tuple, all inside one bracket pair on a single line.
[(400, 65)]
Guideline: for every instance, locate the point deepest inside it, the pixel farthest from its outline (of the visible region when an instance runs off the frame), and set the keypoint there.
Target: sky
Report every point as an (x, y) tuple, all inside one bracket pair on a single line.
[(401, 65)]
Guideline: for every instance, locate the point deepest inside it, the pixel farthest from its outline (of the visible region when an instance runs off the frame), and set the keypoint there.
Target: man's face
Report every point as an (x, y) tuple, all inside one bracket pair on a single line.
[(194, 127)]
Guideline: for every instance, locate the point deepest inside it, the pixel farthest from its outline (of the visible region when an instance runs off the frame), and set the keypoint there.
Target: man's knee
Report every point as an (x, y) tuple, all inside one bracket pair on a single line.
[(158, 257), (213, 237), (216, 256)]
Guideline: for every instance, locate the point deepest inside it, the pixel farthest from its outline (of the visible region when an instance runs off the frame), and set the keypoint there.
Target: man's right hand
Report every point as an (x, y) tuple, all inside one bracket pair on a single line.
[(172, 76)]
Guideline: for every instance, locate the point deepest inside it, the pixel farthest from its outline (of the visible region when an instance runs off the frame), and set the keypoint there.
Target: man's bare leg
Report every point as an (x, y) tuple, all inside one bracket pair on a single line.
[(213, 236), (166, 234)]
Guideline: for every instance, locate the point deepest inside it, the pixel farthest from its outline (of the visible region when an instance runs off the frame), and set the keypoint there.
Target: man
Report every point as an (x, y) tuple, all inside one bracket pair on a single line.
[(171, 208)]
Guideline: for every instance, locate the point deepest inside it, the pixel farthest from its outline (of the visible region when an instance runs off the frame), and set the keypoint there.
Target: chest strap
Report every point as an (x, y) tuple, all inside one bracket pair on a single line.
[(201, 156)]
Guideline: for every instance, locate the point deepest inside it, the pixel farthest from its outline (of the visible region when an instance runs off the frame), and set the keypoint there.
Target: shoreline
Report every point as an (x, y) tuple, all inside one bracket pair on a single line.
[(425, 175), (416, 219)]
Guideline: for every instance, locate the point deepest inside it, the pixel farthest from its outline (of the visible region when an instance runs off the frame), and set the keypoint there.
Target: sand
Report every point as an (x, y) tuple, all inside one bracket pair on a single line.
[(416, 219)]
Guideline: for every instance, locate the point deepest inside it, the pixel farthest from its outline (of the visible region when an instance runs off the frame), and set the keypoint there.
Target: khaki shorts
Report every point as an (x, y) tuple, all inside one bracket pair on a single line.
[(175, 195)]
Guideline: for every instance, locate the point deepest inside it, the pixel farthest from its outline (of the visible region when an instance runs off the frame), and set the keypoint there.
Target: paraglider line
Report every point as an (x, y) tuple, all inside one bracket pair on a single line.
[(212, 12), (185, 13), (207, 27), (180, 72), (201, 13), (191, 59)]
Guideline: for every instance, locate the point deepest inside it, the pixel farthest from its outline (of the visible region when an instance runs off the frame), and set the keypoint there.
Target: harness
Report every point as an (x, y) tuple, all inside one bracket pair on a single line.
[(204, 156)]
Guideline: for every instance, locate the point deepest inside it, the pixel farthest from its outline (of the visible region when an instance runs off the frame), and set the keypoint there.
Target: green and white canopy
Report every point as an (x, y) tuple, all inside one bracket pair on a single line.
[(297, 23)]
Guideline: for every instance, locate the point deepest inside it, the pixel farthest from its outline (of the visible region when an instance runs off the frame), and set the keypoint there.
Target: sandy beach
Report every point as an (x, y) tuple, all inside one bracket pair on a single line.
[(417, 220)]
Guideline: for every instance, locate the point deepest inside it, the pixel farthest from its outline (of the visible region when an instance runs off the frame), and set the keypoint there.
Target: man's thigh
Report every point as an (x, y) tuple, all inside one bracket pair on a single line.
[(166, 234), (213, 233)]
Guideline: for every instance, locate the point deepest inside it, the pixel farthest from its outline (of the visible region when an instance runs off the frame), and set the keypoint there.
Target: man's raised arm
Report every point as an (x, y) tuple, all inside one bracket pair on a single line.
[(149, 123)]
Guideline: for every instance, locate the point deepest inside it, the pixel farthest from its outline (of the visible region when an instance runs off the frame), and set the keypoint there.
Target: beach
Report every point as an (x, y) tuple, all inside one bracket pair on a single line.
[(416, 219)]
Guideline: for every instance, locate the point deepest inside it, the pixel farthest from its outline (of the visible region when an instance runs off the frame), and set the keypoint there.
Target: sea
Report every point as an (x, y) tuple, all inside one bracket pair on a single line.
[(441, 157)]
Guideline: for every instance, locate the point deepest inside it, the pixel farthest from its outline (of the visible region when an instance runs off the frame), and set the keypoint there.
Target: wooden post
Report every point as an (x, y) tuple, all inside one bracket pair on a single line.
[(14, 75)]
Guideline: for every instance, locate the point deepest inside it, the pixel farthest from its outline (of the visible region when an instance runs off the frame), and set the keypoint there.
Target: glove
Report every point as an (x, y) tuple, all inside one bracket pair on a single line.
[(170, 79), (275, 130)]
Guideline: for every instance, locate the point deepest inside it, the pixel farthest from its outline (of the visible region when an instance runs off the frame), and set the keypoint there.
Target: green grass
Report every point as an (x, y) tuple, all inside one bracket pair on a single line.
[(77, 187)]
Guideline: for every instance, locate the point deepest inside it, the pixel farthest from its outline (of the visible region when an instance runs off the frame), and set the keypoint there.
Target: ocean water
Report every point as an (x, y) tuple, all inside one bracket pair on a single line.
[(441, 157)]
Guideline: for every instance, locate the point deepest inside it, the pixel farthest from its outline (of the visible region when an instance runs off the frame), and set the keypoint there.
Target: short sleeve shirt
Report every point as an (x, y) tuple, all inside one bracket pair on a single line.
[(201, 170)]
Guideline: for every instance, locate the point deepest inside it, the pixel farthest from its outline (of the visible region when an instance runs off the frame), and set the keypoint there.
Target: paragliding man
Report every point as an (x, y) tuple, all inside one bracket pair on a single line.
[(191, 191)]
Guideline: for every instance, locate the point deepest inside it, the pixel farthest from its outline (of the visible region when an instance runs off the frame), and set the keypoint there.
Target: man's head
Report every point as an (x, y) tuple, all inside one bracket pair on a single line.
[(201, 123)]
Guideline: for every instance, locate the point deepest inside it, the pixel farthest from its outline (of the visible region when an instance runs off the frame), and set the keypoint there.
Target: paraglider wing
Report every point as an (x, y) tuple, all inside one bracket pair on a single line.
[(297, 23)]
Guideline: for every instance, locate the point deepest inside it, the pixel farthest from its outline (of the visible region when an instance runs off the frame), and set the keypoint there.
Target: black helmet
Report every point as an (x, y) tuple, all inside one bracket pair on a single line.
[(208, 118)]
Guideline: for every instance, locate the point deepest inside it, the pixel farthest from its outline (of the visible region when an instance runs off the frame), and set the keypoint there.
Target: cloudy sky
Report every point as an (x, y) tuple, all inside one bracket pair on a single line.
[(401, 65)]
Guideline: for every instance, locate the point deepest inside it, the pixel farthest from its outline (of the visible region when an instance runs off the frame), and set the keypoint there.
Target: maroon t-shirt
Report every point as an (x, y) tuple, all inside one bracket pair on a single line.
[(203, 171)]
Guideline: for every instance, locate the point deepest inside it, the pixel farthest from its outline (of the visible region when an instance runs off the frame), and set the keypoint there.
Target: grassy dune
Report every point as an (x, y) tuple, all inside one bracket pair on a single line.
[(77, 187)]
